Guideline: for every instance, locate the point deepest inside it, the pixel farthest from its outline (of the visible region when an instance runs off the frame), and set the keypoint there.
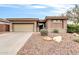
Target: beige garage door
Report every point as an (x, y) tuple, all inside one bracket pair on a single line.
[(23, 27)]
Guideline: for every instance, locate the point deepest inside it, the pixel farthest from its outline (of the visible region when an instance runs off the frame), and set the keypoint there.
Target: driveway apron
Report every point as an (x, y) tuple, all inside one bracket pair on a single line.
[(11, 42)]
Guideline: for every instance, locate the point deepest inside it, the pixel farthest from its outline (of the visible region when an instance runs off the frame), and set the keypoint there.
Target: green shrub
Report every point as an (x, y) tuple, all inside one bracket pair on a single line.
[(73, 28), (55, 31), (77, 29), (44, 32)]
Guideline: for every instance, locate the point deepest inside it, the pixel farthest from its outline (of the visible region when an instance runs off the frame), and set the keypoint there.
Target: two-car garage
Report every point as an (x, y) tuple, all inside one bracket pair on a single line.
[(23, 27), (23, 24)]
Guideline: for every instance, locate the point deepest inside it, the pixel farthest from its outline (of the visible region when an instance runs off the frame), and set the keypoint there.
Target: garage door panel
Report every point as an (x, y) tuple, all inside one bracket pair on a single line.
[(23, 27)]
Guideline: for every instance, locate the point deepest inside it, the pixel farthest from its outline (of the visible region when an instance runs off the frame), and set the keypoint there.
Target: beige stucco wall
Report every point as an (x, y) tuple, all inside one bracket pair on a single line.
[(61, 27), (35, 26), (11, 27), (65, 24), (48, 24)]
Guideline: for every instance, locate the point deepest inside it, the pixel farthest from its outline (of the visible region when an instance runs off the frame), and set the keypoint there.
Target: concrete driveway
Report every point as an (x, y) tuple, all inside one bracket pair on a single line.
[(11, 42)]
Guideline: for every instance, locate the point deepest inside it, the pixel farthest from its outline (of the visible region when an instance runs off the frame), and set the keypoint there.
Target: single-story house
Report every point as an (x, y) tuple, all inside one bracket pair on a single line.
[(36, 24), (4, 25)]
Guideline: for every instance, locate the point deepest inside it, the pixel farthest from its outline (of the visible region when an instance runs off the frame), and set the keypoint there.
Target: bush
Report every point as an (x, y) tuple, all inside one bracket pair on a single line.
[(73, 28), (77, 29), (44, 32), (55, 31)]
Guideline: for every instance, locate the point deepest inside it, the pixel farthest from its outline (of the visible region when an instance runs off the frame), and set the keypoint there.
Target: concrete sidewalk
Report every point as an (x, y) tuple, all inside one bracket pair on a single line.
[(11, 42)]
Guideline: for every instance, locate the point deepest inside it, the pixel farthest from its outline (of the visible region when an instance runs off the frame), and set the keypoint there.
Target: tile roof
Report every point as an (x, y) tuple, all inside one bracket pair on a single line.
[(35, 19), (56, 17)]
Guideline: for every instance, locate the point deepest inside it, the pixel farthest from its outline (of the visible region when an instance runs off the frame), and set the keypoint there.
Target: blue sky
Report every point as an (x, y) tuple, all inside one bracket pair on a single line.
[(32, 10)]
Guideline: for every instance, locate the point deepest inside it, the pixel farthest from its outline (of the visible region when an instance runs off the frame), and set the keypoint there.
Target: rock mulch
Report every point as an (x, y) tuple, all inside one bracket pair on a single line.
[(37, 46), (1, 32)]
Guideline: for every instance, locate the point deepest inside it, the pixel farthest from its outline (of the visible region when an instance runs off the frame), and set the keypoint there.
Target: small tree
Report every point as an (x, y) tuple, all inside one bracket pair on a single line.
[(73, 14)]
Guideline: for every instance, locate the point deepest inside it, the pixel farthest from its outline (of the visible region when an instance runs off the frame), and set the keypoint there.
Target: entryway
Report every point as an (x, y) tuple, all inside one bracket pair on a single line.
[(41, 26)]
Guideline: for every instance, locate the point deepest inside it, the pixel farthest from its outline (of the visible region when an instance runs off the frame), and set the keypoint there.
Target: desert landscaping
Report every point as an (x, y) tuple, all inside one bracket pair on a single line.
[(43, 34), (37, 45)]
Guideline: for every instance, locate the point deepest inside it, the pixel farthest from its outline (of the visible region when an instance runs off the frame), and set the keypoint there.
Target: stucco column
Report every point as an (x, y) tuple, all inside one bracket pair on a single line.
[(65, 24), (48, 25), (35, 26), (37, 29), (11, 27)]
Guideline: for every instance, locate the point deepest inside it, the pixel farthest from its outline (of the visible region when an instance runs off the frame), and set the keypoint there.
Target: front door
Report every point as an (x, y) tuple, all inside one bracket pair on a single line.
[(41, 26)]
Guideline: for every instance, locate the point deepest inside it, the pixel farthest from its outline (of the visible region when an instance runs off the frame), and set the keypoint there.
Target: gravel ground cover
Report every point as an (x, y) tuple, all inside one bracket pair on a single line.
[(37, 46)]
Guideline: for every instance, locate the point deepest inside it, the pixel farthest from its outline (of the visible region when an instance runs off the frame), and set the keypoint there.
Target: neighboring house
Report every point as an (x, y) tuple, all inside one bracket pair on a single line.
[(35, 24), (4, 25)]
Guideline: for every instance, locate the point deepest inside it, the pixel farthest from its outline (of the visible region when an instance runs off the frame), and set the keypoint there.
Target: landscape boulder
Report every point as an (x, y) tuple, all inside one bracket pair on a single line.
[(57, 38), (75, 34), (47, 38)]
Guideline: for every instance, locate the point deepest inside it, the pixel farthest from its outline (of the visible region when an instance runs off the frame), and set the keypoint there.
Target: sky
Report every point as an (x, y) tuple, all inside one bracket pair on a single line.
[(34, 8)]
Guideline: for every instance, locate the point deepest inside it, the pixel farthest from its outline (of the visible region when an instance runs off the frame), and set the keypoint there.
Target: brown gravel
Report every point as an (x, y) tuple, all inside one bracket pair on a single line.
[(1, 32), (37, 46)]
